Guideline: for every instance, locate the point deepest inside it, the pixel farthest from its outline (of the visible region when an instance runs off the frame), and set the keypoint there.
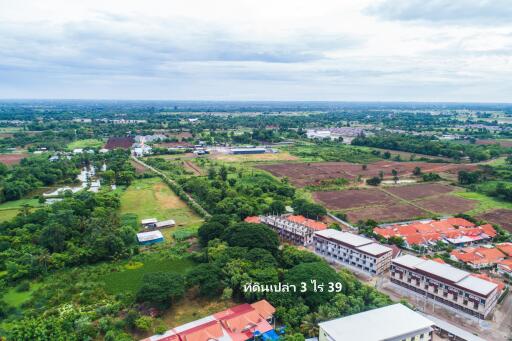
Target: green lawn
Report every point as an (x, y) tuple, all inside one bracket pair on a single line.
[(16, 299), (131, 280), (485, 203), (152, 198), (10, 209), (86, 143)]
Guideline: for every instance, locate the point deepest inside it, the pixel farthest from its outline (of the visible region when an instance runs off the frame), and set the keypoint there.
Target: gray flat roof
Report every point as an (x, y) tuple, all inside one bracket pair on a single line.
[(445, 271), (378, 324), (478, 285), (375, 249), (152, 235), (408, 261), (345, 237)]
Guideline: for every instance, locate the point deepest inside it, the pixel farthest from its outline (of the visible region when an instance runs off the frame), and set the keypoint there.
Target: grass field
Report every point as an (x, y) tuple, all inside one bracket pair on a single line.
[(131, 280), (10, 209), (267, 157), (16, 299), (151, 198), (86, 143), (190, 309), (485, 203), (338, 152)]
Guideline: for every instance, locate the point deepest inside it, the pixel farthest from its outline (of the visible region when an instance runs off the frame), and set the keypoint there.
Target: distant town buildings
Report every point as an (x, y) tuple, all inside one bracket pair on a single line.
[(446, 284), (346, 133), (391, 323), (353, 251)]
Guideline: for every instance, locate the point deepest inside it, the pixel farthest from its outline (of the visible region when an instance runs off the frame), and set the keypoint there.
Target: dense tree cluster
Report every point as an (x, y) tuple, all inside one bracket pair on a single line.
[(32, 173), (234, 258), (430, 146), (228, 190), (82, 229)]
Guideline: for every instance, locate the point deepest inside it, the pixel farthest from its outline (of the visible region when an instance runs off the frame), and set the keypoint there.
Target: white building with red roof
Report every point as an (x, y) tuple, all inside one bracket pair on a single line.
[(237, 323), (296, 229)]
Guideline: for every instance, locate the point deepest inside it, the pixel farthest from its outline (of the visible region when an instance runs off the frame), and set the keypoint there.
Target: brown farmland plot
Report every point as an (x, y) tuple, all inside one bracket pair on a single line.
[(502, 217)]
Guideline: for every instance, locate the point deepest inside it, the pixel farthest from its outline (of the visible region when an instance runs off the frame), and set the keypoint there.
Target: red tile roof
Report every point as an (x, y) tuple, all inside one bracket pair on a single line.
[(315, 225), (459, 222), (420, 233), (480, 255), (253, 219), (506, 248)]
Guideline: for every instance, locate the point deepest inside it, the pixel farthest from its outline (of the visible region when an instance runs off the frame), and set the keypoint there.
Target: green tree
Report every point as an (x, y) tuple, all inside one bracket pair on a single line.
[(161, 288)]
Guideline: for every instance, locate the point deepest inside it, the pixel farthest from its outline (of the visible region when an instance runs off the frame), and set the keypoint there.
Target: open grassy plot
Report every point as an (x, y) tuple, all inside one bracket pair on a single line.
[(190, 309), (10, 209), (267, 157), (152, 198), (485, 203), (130, 278), (86, 143), (15, 299)]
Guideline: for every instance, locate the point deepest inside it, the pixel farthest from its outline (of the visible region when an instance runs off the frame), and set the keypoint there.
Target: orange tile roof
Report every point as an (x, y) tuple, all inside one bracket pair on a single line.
[(423, 228), (507, 263), (386, 233), (264, 308), (207, 331), (506, 248), (489, 230), (459, 222), (253, 219), (414, 239), (442, 226), (406, 230), (315, 225), (481, 255)]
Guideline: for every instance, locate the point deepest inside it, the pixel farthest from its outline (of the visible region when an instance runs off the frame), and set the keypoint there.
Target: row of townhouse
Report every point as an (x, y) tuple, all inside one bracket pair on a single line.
[(338, 247), (353, 251), (446, 284), (293, 228)]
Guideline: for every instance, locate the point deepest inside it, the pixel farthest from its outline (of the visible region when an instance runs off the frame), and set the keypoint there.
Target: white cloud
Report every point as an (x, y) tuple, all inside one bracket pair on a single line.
[(299, 50)]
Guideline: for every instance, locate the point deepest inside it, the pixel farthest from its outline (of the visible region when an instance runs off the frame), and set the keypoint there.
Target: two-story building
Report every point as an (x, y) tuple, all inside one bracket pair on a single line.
[(295, 229), (353, 251), (445, 284)]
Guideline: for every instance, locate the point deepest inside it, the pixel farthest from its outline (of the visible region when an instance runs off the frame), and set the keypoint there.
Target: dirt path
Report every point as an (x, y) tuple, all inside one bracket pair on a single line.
[(193, 167), (412, 203)]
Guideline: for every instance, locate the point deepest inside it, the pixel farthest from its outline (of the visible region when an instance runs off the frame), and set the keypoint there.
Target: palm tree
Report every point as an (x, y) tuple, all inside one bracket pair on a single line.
[(309, 325)]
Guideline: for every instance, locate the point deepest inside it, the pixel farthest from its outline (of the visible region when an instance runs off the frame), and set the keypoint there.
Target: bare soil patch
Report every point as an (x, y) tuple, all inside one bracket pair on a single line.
[(387, 213), (501, 217), (304, 174), (353, 198), (193, 168), (412, 192), (447, 204), (12, 159), (500, 142), (138, 167)]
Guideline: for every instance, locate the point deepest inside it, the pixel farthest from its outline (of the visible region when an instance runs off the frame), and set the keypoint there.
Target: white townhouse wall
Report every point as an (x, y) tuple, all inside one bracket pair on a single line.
[(445, 284), (352, 250), (291, 231), (391, 323)]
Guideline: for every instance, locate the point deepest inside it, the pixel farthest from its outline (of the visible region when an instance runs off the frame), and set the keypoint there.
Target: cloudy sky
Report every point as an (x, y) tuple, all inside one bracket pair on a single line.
[(362, 50)]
